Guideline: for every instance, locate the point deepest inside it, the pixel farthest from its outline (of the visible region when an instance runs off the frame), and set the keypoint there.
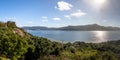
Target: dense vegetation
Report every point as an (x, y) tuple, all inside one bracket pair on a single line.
[(16, 44)]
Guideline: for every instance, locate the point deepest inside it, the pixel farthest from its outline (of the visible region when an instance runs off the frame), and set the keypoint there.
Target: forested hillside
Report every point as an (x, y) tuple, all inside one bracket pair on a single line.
[(16, 44)]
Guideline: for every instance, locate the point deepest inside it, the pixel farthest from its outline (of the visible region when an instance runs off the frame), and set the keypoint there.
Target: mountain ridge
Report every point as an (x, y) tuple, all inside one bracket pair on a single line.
[(89, 27)]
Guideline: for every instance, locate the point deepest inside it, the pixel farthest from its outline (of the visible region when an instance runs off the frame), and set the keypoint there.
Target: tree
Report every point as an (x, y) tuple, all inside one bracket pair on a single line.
[(12, 45), (11, 24)]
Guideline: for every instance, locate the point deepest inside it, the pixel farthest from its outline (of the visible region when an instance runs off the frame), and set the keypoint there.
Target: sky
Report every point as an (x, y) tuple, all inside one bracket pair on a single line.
[(58, 13)]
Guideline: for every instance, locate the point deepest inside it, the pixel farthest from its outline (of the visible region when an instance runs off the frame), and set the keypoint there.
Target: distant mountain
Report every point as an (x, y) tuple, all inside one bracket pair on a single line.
[(90, 27), (36, 28)]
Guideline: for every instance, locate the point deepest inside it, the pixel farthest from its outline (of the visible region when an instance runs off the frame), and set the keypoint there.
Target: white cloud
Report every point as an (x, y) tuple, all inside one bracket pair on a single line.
[(104, 21), (56, 19), (44, 17), (78, 14), (44, 20), (67, 16), (61, 5), (10, 18), (30, 22)]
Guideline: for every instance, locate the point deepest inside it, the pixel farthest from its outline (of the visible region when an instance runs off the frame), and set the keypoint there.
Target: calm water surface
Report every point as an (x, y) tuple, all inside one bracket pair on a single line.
[(71, 36)]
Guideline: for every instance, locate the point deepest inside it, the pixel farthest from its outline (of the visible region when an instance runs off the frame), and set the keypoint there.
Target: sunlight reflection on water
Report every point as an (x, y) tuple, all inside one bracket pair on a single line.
[(82, 36), (100, 36)]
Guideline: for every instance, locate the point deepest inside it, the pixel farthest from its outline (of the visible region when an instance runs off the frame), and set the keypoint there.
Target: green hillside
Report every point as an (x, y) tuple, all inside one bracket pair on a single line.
[(16, 44)]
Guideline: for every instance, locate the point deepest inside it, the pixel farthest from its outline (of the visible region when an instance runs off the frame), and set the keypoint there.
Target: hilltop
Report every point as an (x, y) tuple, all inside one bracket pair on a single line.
[(11, 26)]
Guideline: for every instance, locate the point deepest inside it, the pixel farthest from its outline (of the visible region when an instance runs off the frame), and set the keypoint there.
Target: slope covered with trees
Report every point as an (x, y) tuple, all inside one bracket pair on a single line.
[(16, 44)]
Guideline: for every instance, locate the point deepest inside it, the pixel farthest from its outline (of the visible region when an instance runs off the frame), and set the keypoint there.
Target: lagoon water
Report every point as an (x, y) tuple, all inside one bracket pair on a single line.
[(83, 36)]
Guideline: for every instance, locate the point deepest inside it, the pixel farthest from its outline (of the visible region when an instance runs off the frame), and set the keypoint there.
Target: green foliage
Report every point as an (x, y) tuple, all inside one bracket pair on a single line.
[(28, 47), (2, 24), (12, 45), (11, 24)]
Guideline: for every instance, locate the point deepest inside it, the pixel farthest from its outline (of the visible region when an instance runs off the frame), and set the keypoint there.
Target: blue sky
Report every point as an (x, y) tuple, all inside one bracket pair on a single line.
[(57, 13)]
